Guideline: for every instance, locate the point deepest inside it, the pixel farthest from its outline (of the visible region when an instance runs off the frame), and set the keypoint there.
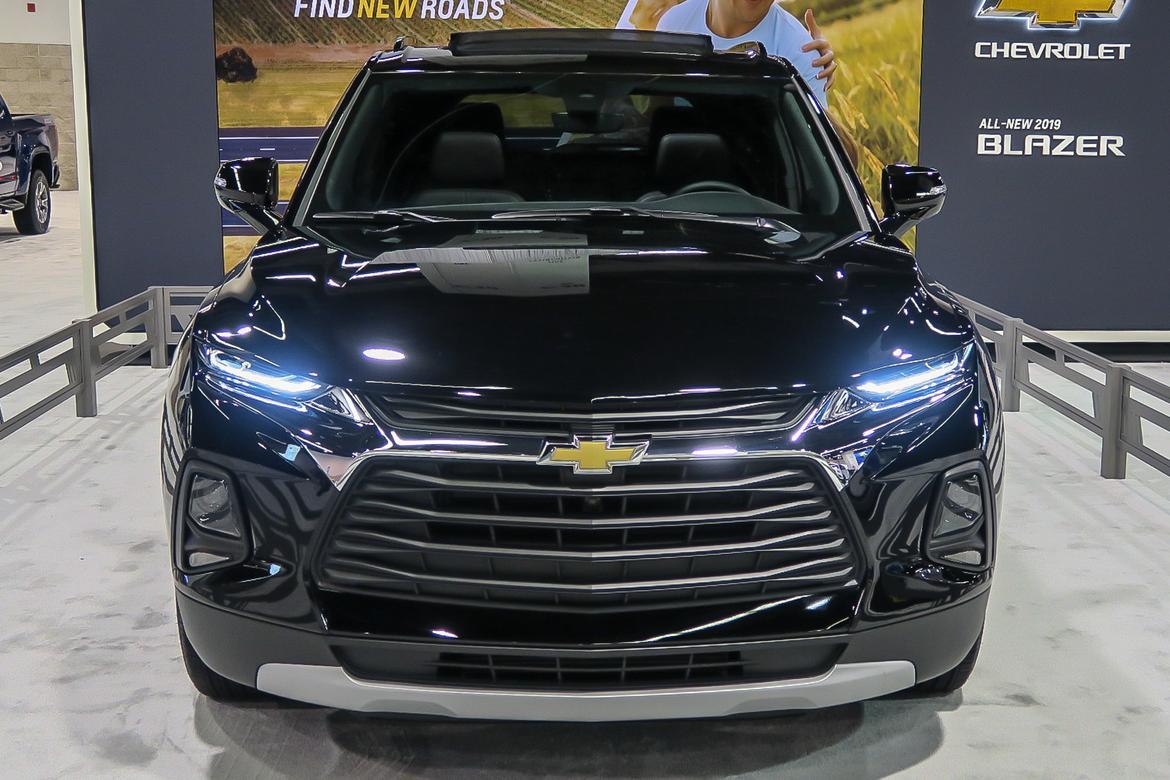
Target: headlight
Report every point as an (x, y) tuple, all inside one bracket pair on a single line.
[(244, 371), (244, 374), (883, 389), (912, 380)]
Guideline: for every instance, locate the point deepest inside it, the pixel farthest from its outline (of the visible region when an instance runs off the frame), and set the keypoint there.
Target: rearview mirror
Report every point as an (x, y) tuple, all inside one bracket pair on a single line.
[(250, 188), (910, 194)]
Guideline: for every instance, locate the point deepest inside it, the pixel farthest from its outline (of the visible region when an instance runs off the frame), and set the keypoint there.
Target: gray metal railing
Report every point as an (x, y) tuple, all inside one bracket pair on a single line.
[(88, 350), (180, 304), (1116, 416), (162, 314)]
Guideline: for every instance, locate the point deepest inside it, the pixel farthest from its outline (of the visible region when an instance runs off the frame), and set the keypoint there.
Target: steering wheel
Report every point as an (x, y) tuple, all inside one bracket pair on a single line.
[(710, 185)]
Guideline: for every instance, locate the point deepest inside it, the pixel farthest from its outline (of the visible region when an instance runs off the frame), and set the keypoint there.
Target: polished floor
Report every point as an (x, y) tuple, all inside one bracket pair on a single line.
[(1074, 680)]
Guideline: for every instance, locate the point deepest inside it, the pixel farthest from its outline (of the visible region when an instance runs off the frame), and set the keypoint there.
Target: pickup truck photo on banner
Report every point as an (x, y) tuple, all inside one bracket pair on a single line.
[(282, 65)]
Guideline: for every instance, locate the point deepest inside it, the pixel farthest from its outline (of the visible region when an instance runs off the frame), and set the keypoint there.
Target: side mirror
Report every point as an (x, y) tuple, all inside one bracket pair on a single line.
[(910, 194), (250, 188)]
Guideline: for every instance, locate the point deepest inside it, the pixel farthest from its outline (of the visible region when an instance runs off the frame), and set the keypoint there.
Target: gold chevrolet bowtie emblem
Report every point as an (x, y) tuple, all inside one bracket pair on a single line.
[(1055, 13), (592, 457)]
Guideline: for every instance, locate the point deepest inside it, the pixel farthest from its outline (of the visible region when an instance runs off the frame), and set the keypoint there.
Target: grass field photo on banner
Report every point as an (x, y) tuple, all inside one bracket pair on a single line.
[(302, 66)]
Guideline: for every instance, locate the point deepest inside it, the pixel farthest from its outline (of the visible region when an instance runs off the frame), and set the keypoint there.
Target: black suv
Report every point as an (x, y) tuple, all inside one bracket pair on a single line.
[(580, 381)]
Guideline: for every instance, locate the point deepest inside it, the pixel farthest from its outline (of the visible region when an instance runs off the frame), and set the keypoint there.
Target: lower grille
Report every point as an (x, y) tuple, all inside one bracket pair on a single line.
[(552, 670), (607, 671), (658, 534)]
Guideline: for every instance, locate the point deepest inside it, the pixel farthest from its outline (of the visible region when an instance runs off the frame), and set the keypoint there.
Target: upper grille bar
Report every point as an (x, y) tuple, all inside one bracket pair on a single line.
[(794, 573), (755, 410), (677, 416), (363, 541), (381, 508), (566, 489)]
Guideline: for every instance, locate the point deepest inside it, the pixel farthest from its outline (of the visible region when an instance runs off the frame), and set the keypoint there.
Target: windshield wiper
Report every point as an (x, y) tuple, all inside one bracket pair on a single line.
[(759, 224), (395, 216), (775, 229)]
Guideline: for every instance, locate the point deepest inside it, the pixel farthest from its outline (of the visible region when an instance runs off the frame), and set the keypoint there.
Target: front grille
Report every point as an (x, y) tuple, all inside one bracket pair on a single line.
[(682, 415), (663, 533)]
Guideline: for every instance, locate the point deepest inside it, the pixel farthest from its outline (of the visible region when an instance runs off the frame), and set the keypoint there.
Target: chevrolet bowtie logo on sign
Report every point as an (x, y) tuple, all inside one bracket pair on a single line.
[(592, 457), (1058, 14)]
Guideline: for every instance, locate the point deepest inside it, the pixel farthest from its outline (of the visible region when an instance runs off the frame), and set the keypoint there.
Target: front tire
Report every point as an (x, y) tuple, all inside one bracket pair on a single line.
[(206, 680), (952, 680), (33, 219)]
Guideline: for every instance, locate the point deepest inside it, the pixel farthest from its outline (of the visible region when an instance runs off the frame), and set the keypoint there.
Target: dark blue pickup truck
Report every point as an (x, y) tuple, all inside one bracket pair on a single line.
[(28, 168)]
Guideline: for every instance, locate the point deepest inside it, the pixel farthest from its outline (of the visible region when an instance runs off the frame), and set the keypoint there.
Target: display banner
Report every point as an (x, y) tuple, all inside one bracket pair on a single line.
[(1048, 119), (282, 65)]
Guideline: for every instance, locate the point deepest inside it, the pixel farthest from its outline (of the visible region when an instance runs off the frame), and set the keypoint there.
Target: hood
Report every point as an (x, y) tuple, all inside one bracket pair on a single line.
[(572, 316)]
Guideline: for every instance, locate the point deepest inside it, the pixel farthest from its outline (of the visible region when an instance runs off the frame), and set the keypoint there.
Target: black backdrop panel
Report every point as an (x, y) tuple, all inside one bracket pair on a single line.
[(1064, 237), (153, 144)]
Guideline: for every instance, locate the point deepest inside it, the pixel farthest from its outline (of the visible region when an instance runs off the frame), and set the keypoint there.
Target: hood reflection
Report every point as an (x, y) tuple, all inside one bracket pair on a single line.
[(592, 311), (508, 263)]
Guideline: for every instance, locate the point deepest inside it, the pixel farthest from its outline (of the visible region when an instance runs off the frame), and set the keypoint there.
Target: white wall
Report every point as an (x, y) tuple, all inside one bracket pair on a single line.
[(36, 69), (49, 24)]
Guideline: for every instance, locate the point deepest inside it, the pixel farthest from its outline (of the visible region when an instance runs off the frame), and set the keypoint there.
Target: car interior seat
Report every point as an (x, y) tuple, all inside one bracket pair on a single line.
[(465, 167), (688, 158)]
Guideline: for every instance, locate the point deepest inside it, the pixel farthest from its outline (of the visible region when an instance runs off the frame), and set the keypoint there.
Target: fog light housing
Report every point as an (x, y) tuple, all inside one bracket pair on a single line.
[(210, 528), (962, 505), (210, 505), (960, 533)]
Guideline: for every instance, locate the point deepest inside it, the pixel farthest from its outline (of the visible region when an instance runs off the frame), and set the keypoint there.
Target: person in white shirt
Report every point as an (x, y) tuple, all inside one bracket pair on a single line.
[(733, 22)]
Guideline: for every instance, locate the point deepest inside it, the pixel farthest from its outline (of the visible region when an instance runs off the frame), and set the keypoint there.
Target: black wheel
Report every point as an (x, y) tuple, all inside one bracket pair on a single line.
[(33, 219), (211, 684), (952, 680)]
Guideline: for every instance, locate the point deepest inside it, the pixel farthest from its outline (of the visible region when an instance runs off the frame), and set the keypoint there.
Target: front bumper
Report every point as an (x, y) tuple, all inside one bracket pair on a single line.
[(331, 686), (306, 666)]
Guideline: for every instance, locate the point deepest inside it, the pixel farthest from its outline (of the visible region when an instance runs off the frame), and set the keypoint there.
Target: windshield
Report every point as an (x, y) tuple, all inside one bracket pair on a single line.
[(454, 145)]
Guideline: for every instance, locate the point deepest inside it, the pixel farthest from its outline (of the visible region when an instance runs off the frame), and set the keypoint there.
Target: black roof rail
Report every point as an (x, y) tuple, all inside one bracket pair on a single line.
[(399, 43), (579, 41), (755, 49)]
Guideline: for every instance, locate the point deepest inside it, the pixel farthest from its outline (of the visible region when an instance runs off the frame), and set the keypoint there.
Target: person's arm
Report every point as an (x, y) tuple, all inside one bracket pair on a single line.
[(646, 14), (826, 59), (796, 44), (671, 19), (852, 148), (818, 86), (804, 62)]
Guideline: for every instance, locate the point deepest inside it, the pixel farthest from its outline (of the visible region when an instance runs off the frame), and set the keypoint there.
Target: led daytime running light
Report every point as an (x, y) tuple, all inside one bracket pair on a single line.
[(241, 370), (886, 385)]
